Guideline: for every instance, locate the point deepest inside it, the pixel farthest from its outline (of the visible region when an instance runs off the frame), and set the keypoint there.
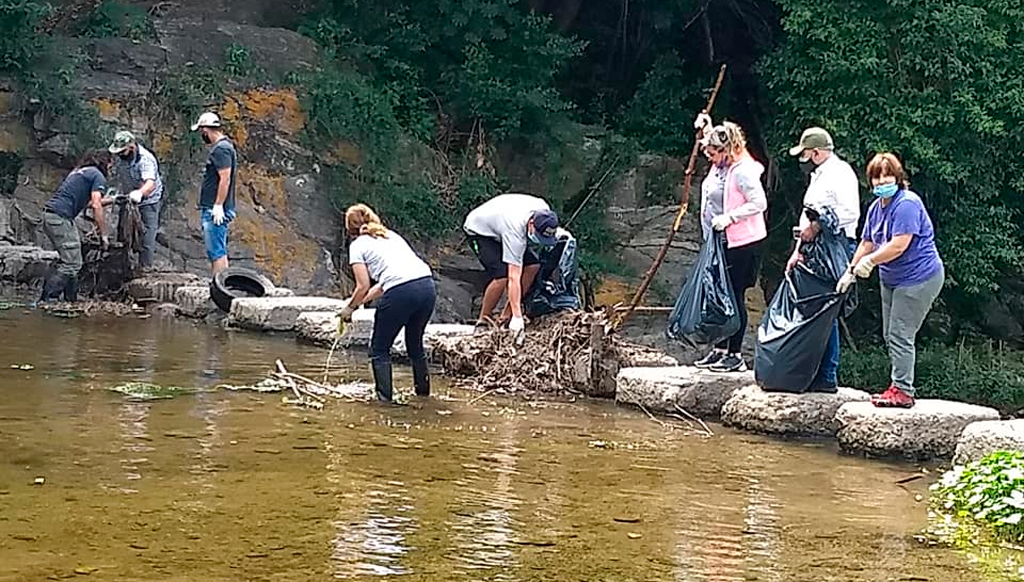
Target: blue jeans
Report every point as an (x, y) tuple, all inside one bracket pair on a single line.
[(408, 305), (215, 235), (828, 372), (151, 222)]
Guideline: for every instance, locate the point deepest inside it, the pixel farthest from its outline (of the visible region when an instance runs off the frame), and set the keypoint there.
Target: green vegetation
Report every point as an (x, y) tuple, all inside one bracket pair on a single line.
[(116, 19), (147, 391), (986, 374), (988, 493)]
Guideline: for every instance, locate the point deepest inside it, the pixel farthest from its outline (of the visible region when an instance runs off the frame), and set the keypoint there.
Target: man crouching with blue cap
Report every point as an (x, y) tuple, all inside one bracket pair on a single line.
[(501, 232)]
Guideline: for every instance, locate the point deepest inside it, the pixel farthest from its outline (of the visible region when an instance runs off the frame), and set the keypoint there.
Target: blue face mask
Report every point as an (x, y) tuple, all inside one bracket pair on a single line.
[(885, 190), (533, 239)]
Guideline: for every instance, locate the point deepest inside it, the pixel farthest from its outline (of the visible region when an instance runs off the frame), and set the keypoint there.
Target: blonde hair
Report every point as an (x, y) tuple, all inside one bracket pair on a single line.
[(361, 219), (728, 137)]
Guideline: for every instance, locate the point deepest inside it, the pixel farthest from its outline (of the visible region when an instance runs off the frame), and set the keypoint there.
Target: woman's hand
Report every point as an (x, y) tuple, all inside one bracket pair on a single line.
[(864, 267)]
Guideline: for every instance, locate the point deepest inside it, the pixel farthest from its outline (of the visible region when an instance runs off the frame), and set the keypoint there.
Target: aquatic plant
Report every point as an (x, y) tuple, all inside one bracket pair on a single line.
[(988, 492), (147, 391)]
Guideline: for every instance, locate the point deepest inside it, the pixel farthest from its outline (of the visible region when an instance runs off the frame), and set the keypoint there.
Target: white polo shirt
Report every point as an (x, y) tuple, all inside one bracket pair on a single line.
[(834, 185)]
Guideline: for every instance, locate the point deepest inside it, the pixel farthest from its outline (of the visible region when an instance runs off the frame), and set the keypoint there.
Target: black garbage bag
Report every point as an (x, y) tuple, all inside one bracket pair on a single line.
[(794, 332), (557, 285), (705, 311)]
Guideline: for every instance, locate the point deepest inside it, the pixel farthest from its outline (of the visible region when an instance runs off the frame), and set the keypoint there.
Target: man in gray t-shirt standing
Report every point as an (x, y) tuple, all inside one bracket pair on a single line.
[(137, 171), (499, 232), (217, 194)]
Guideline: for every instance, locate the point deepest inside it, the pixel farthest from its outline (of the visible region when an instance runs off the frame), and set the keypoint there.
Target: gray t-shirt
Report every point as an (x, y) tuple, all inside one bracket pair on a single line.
[(222, 155), (134, 172), (712, 197), (505, 218), (390, 260)]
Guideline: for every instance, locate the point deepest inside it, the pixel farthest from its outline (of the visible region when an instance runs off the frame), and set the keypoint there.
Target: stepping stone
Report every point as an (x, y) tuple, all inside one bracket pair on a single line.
[(25, 264), (194, 301), (699, 392), (780, 413), (321, 328), (277, 313), (161, 287), (982, 438), (928, 430)]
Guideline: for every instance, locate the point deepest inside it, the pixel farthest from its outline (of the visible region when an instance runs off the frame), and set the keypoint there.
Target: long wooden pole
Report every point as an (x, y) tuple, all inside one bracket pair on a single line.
[(684, 204)]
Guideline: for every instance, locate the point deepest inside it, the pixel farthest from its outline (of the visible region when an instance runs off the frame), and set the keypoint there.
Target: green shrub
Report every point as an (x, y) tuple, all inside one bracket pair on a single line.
[(987, 494), (19, 43), (986, 374), (660, 114)]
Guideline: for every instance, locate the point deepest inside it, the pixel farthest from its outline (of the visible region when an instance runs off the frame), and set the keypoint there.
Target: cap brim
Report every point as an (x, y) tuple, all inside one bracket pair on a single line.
[(796, 150), (116, 150), (195, 126)]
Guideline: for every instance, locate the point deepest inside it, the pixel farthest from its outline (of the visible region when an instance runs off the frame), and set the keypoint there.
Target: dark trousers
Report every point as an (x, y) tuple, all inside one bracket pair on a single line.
[(828, 373), (743, 263), (408, 305)]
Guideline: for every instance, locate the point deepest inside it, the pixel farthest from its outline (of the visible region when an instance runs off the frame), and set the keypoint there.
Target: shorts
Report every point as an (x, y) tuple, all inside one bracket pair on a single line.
[(489, 252), (215, 236)]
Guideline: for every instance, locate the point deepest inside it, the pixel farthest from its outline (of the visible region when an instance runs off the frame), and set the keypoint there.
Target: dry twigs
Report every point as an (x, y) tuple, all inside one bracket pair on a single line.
[(565, 352)]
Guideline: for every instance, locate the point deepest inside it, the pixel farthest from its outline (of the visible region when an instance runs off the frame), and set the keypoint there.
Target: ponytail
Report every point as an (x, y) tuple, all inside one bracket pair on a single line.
[(361, 219)]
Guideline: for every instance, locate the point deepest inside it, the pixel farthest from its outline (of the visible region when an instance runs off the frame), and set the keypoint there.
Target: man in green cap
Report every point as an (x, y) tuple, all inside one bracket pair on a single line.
[(833, 185), (138, 172)]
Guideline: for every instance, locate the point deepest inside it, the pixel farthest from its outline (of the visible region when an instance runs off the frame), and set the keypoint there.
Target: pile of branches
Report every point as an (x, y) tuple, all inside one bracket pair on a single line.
[(306, 391), (571, 352)]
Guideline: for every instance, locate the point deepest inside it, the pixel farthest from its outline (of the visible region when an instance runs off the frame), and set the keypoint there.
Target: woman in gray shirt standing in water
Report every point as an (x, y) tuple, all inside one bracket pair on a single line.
[(405, 286)]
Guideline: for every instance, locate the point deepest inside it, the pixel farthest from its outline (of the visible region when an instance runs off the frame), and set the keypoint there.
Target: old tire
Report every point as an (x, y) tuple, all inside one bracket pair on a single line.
[(237, 282)]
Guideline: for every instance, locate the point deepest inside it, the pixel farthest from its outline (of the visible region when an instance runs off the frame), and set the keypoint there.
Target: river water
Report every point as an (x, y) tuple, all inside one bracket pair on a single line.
[(228, 486)]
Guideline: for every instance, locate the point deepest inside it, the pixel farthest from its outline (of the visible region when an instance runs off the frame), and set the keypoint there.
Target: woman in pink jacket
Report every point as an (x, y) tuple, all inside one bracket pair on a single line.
[(742, 219)]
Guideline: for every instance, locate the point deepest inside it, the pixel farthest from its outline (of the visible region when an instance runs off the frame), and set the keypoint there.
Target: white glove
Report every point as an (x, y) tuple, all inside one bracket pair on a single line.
[(135, 196), (845, 282), (218, 214), (721, 222), (346, 313), (864, 267), (518, 328), (702, 121)]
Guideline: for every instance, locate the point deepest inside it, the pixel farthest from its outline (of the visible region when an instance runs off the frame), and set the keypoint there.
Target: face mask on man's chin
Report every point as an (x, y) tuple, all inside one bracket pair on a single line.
[(126, 155), (206, 138)]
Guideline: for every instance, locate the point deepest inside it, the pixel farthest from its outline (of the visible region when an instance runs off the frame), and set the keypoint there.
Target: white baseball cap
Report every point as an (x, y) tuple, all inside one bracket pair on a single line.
[(208, 119)]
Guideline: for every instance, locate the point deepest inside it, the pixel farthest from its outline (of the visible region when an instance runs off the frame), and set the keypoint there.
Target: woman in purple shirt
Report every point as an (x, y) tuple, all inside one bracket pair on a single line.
[(898, 237)]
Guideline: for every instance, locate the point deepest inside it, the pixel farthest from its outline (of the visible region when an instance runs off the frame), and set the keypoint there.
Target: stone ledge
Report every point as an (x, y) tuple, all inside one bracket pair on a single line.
[(277, 313), (929, 430), (662, 389), (780, 413), (989, 436), (161, 287), (320, 328), (194, 301)]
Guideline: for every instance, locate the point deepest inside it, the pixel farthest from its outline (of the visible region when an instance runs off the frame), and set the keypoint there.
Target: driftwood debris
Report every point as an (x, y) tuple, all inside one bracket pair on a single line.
[(563, 353)]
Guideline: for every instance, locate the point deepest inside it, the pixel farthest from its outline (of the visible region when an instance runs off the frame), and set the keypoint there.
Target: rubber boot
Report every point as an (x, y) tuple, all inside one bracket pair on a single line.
[(421, 377), (52, 287), (382, 380), (71, 289)]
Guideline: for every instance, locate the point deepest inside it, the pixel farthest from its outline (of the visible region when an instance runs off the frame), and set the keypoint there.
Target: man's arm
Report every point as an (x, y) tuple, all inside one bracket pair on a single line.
[(96, 202), (147, 187), (222, 186), (515, 289)]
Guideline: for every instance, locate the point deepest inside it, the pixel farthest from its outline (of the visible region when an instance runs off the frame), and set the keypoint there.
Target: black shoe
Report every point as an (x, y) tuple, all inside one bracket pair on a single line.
[(730, 363), (421, 376), (71, 289), (52, 287), (709, 360), (823, 387), (382, 380)]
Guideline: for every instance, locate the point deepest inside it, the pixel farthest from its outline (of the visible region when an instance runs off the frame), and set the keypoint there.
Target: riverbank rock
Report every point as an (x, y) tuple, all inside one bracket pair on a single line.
[(321, 328), (779, 413), (277, 313), (982, 438), (928, 430), (23, 264), (161, 287), (697, 391)]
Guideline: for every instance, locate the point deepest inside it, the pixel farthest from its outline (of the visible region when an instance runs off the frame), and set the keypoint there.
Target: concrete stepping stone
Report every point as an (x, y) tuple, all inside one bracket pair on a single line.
[(929, 430), (989, 436), (780, 413), (277, 313), (699, 392), (194, 301), (161, 287), (321, 328)]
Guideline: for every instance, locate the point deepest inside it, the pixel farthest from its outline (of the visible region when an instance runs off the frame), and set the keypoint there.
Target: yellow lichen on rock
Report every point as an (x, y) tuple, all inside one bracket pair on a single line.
[(109, 111), (281, 107)]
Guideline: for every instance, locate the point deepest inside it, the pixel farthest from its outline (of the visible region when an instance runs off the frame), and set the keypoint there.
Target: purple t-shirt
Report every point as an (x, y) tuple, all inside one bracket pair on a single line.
[(905, 214)]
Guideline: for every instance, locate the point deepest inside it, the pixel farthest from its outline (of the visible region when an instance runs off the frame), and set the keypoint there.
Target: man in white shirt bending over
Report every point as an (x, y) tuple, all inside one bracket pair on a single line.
[(833, 185), (500, 233)]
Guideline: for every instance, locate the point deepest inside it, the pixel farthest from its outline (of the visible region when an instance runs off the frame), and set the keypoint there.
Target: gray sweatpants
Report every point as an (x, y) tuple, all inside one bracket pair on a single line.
[(903, 313)]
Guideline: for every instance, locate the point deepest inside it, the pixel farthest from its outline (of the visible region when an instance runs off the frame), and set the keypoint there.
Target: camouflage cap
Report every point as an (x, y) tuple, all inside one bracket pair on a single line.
[(813, 138), (122, 140)]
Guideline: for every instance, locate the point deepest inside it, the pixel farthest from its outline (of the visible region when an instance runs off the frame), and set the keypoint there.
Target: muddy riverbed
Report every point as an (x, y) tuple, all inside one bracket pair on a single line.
[(228, 486)]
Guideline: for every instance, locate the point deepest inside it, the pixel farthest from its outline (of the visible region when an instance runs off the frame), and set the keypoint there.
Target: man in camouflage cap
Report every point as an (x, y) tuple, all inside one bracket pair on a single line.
[(138, 172)]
